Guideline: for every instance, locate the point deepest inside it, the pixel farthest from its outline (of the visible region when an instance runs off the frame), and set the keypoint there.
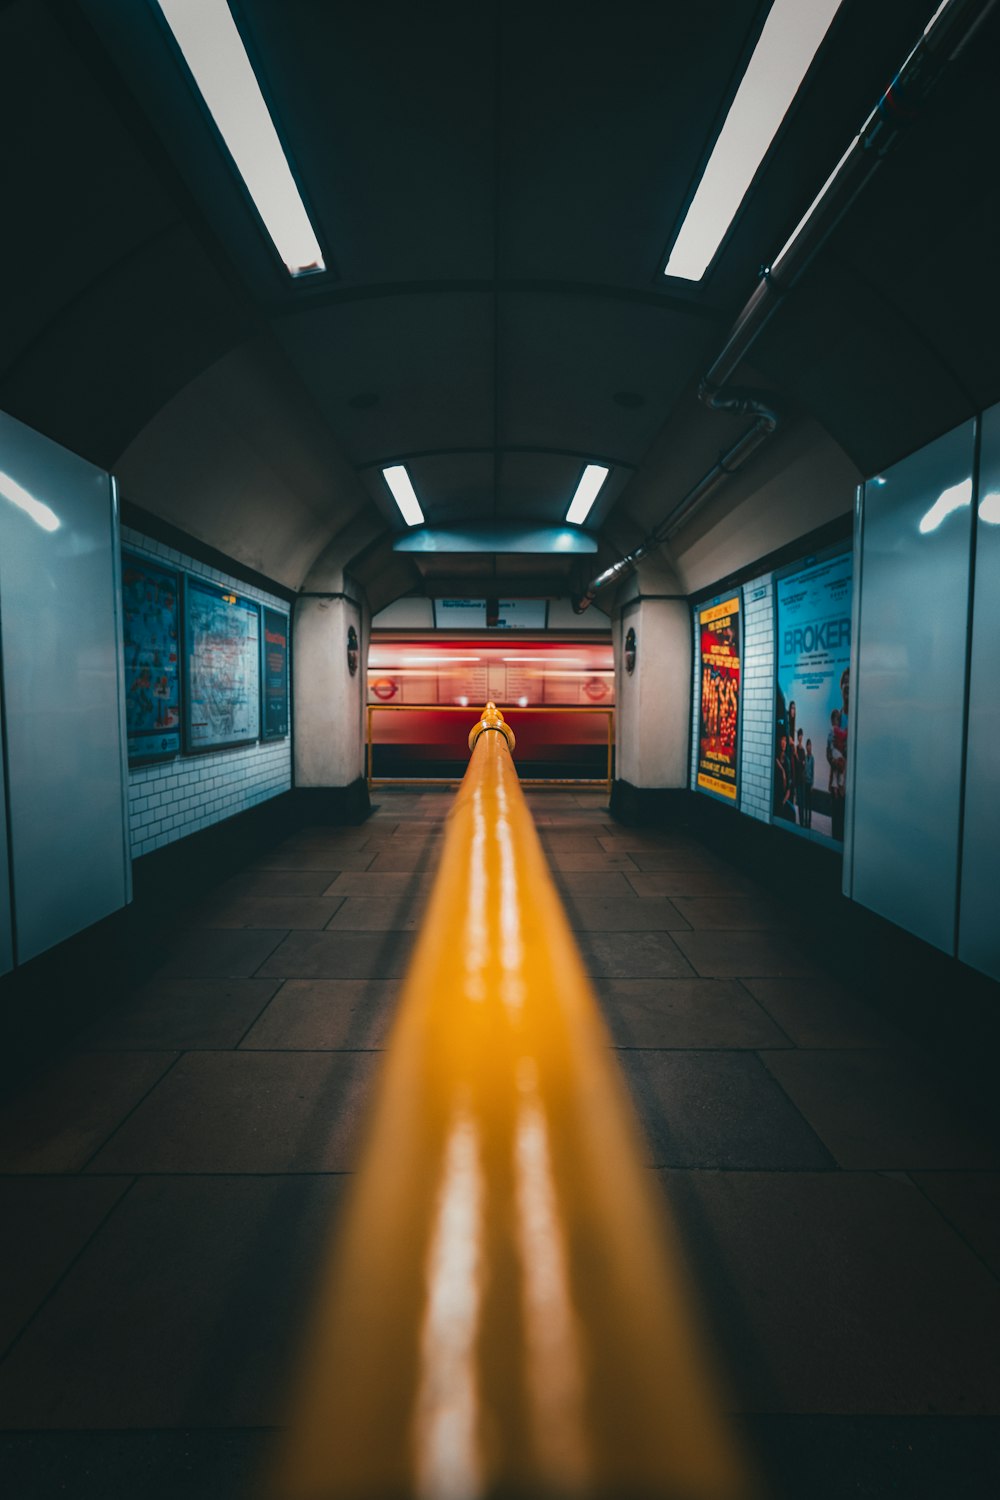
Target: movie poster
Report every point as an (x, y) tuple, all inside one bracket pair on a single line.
[(152, 682), (275, 677), (813, 652), (719, 635)]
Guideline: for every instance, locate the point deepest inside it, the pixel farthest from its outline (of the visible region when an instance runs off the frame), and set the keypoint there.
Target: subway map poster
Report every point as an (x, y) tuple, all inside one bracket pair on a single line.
[(150, 619), (222, 667), (719, 636)]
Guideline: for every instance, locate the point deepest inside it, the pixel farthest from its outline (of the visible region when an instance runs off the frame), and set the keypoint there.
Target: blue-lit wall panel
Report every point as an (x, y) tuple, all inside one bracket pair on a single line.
[(910, 687), (979, 919), (62, 665)]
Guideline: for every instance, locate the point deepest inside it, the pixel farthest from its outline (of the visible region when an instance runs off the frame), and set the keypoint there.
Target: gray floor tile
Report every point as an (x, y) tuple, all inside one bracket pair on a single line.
[(406, 862), (970, 1201), (184, 1309), (248, 1112), (872, 1458), (876, 1109), (722, 955), (327, 1014), (316, 858), (624, 842), (183, 1013), (571, 843), (680, 857), (219, 954), (589, 883), (632, 955), (290, 912), (44, 1223), (737, 913), (182, 1465), (369, 883), (582, 864), (822, 1013), (839, 1292), (341, 955), (61, 1116), (380, 913), (275, 883), (691, 883), (622, 914), (685, 1013), (719, 1110)]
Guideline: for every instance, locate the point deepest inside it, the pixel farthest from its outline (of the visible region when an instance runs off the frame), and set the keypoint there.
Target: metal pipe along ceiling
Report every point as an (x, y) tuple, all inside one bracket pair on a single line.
[(943, 41)]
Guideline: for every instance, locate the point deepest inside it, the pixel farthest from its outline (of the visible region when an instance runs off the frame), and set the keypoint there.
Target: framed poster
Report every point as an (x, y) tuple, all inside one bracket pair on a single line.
[(719, 656), (151, 622), (274, 713), (813, 658), (221, 667)]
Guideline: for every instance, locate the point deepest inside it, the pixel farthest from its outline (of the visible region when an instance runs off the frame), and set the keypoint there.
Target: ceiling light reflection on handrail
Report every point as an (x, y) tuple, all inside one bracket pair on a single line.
[(403, 493), (587, 491), (43, 515), (213, 49), (783, 55)]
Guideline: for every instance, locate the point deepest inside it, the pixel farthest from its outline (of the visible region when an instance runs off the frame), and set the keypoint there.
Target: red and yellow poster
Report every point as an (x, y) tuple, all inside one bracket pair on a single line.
[(719, 633)]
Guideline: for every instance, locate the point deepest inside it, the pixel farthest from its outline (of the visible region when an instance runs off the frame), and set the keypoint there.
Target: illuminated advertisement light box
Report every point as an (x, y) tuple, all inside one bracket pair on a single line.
[(813, 657), (718, 740), (274, 677)]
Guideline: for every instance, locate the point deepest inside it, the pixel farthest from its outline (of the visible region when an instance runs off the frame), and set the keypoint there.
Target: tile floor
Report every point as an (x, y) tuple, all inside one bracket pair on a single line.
[(165, 1188)]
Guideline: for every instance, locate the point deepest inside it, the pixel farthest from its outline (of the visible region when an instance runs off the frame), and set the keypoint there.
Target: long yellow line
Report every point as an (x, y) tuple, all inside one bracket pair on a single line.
[(504, 1311)]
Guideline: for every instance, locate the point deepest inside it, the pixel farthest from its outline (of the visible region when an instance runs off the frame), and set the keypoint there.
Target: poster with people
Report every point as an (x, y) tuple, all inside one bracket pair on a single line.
[(719, 636), (813, 626)]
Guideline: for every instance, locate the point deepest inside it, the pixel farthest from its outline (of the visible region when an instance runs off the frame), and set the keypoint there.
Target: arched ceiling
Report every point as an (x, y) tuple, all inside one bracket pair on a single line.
[(496, 186)]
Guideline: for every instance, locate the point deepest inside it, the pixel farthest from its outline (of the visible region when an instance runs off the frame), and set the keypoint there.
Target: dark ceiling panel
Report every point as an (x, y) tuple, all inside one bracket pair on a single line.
[(603, 111), (564, 360), (449, 486), (78, 199), (97, 374), (539, 486), (428, 361), (388, 113)]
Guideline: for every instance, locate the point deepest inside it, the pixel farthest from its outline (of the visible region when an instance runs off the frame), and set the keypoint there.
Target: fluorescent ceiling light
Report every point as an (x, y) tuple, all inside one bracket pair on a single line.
[(587, 491), (398, 481), (787, 45), (213, 50), (43, 515)]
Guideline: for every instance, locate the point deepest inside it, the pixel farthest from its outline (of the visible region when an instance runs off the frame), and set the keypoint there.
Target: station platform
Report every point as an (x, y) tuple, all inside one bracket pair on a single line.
[(168, 1185)]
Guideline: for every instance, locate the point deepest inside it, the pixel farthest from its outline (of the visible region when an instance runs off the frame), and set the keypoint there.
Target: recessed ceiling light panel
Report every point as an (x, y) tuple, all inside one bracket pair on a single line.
[(213, 49), (587, 492), (784, 52), (403, 493)]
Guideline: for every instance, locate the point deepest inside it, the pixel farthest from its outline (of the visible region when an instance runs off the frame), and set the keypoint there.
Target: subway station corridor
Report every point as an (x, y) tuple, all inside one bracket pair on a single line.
[(169, 1182)]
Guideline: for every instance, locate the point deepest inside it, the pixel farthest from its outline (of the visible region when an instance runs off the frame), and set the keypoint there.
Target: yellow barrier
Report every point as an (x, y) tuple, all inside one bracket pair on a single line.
[(582, 783), (504, 1314)]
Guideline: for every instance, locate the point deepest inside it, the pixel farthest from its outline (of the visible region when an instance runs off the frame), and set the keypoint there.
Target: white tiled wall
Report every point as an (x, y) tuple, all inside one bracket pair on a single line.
[(757, 700), (756, 774), (173, 798)]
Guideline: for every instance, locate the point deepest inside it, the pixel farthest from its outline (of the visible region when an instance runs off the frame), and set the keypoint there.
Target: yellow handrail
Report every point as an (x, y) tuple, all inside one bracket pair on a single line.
[(504, 1313)]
